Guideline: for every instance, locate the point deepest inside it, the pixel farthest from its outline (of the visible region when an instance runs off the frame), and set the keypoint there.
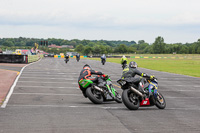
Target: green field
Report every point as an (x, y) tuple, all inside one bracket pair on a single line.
[(189, 67)]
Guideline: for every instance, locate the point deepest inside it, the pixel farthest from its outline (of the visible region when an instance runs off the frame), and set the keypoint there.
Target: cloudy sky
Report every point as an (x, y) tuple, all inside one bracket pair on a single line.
[(177, 21)]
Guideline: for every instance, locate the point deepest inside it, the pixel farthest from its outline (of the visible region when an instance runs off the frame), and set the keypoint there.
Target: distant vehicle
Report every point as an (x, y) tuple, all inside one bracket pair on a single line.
[(103, 59)]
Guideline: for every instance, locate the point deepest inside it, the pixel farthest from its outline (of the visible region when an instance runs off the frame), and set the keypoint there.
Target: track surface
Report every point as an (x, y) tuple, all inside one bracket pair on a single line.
[(46, 99)]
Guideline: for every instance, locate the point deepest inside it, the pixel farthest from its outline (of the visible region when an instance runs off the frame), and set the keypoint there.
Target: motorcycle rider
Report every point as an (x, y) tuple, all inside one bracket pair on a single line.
[(103, 58), (86, 73), (77, 56), (124, 61), (67, 57), (131, 71)]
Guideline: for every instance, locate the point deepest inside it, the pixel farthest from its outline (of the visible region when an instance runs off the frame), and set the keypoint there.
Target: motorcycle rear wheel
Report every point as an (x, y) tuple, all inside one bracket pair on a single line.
[(130, 99), (160, 101), (94, 95)]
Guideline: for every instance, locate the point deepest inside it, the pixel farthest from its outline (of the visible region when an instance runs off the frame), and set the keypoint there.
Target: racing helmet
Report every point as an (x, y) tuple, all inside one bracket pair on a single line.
[(133, 64), (86, 66)]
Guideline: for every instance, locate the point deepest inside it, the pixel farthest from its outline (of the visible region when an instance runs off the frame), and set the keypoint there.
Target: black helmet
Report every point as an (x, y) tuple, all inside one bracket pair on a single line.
[(133, 64), (86, 66)]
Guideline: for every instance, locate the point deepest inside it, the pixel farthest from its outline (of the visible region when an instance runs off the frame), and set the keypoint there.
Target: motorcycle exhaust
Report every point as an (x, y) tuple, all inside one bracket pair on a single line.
[(97, 88), (137, 92)]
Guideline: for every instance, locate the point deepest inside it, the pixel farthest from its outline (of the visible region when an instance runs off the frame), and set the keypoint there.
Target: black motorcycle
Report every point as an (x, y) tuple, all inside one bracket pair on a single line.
[(66, 60), (103, 61), (133, 98), (77, 59), (124, 65)]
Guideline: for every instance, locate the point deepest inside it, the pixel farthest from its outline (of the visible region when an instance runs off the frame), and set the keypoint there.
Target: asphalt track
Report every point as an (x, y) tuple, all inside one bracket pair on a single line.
[(46, 99)]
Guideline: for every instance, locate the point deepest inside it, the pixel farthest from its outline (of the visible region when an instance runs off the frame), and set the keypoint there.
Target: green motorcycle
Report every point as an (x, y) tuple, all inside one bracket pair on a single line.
[(99, 94)]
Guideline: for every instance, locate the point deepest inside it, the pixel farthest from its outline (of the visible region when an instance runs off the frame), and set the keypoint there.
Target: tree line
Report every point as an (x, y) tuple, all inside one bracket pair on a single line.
[(95, 47)]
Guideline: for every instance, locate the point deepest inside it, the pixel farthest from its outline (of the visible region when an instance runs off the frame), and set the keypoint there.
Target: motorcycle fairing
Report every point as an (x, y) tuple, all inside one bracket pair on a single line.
[(145, 102), (153, 86), (85, 83)]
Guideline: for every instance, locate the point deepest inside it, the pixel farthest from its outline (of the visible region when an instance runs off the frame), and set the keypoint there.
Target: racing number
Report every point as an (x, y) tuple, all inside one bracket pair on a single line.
[(145, 102)]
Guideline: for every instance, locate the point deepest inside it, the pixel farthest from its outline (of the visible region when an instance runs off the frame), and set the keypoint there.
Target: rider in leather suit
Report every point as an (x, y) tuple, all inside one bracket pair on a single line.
[(86, 73), (131, 71)]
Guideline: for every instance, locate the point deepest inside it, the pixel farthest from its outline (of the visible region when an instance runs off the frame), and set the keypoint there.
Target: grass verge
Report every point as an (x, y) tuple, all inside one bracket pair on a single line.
[(190, 67)]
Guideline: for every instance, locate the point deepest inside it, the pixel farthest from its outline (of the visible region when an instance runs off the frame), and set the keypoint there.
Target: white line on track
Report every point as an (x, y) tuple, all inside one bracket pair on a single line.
[(66, 106), (46, 82), (180, 90), (13, 86), (183, 97), (55, 76), (197, 86), (45, 78), (48, 87), (179, 85), (47, 94), (49, 73), (102, 107)]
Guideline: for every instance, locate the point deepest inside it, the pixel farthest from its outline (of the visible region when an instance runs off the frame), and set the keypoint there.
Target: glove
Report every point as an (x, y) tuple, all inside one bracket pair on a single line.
[(152, 77)]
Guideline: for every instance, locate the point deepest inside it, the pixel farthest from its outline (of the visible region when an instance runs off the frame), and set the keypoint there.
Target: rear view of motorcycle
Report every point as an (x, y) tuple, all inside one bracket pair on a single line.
[(77, 59), (100, 93), (103, 61), (133, 98)]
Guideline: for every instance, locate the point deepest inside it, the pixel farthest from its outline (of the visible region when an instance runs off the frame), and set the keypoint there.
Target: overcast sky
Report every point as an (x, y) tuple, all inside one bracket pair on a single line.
[(177, 21)]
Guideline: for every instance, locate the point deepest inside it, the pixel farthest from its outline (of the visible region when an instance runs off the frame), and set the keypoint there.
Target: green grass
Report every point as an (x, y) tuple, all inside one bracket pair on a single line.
[(190, 67)]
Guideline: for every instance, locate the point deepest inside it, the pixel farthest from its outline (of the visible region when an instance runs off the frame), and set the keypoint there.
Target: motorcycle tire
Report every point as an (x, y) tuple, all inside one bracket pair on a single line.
[(160, 101), (94, 95), (130, 99)]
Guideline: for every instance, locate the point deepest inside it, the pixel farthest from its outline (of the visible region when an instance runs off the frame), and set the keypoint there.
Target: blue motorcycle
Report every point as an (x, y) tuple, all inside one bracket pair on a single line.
[(133, 98)]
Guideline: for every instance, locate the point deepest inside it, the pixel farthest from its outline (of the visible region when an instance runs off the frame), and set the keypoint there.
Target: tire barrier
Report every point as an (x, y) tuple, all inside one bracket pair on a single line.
[(11, 58)]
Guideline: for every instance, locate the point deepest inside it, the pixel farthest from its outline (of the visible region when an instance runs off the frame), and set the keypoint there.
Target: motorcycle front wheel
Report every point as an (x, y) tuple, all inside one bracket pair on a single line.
[(160, 101), (118, 98), (94, 95), (130, 99)]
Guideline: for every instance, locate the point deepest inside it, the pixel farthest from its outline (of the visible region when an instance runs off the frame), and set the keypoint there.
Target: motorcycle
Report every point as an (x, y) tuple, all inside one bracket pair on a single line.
[(99, 94), (124, 65), (77, 59), (103, 61), (133, 98), (66, 60)]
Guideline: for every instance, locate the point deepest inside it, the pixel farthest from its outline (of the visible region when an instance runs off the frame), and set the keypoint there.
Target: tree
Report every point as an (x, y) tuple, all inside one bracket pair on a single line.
[(97, 49), (159, 46), (109, 49), (103, 49), (79, 48), (8, 43), (64, 42), (87, 50), (141, 41), (183, 50), (132, 49), (123, 48)]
